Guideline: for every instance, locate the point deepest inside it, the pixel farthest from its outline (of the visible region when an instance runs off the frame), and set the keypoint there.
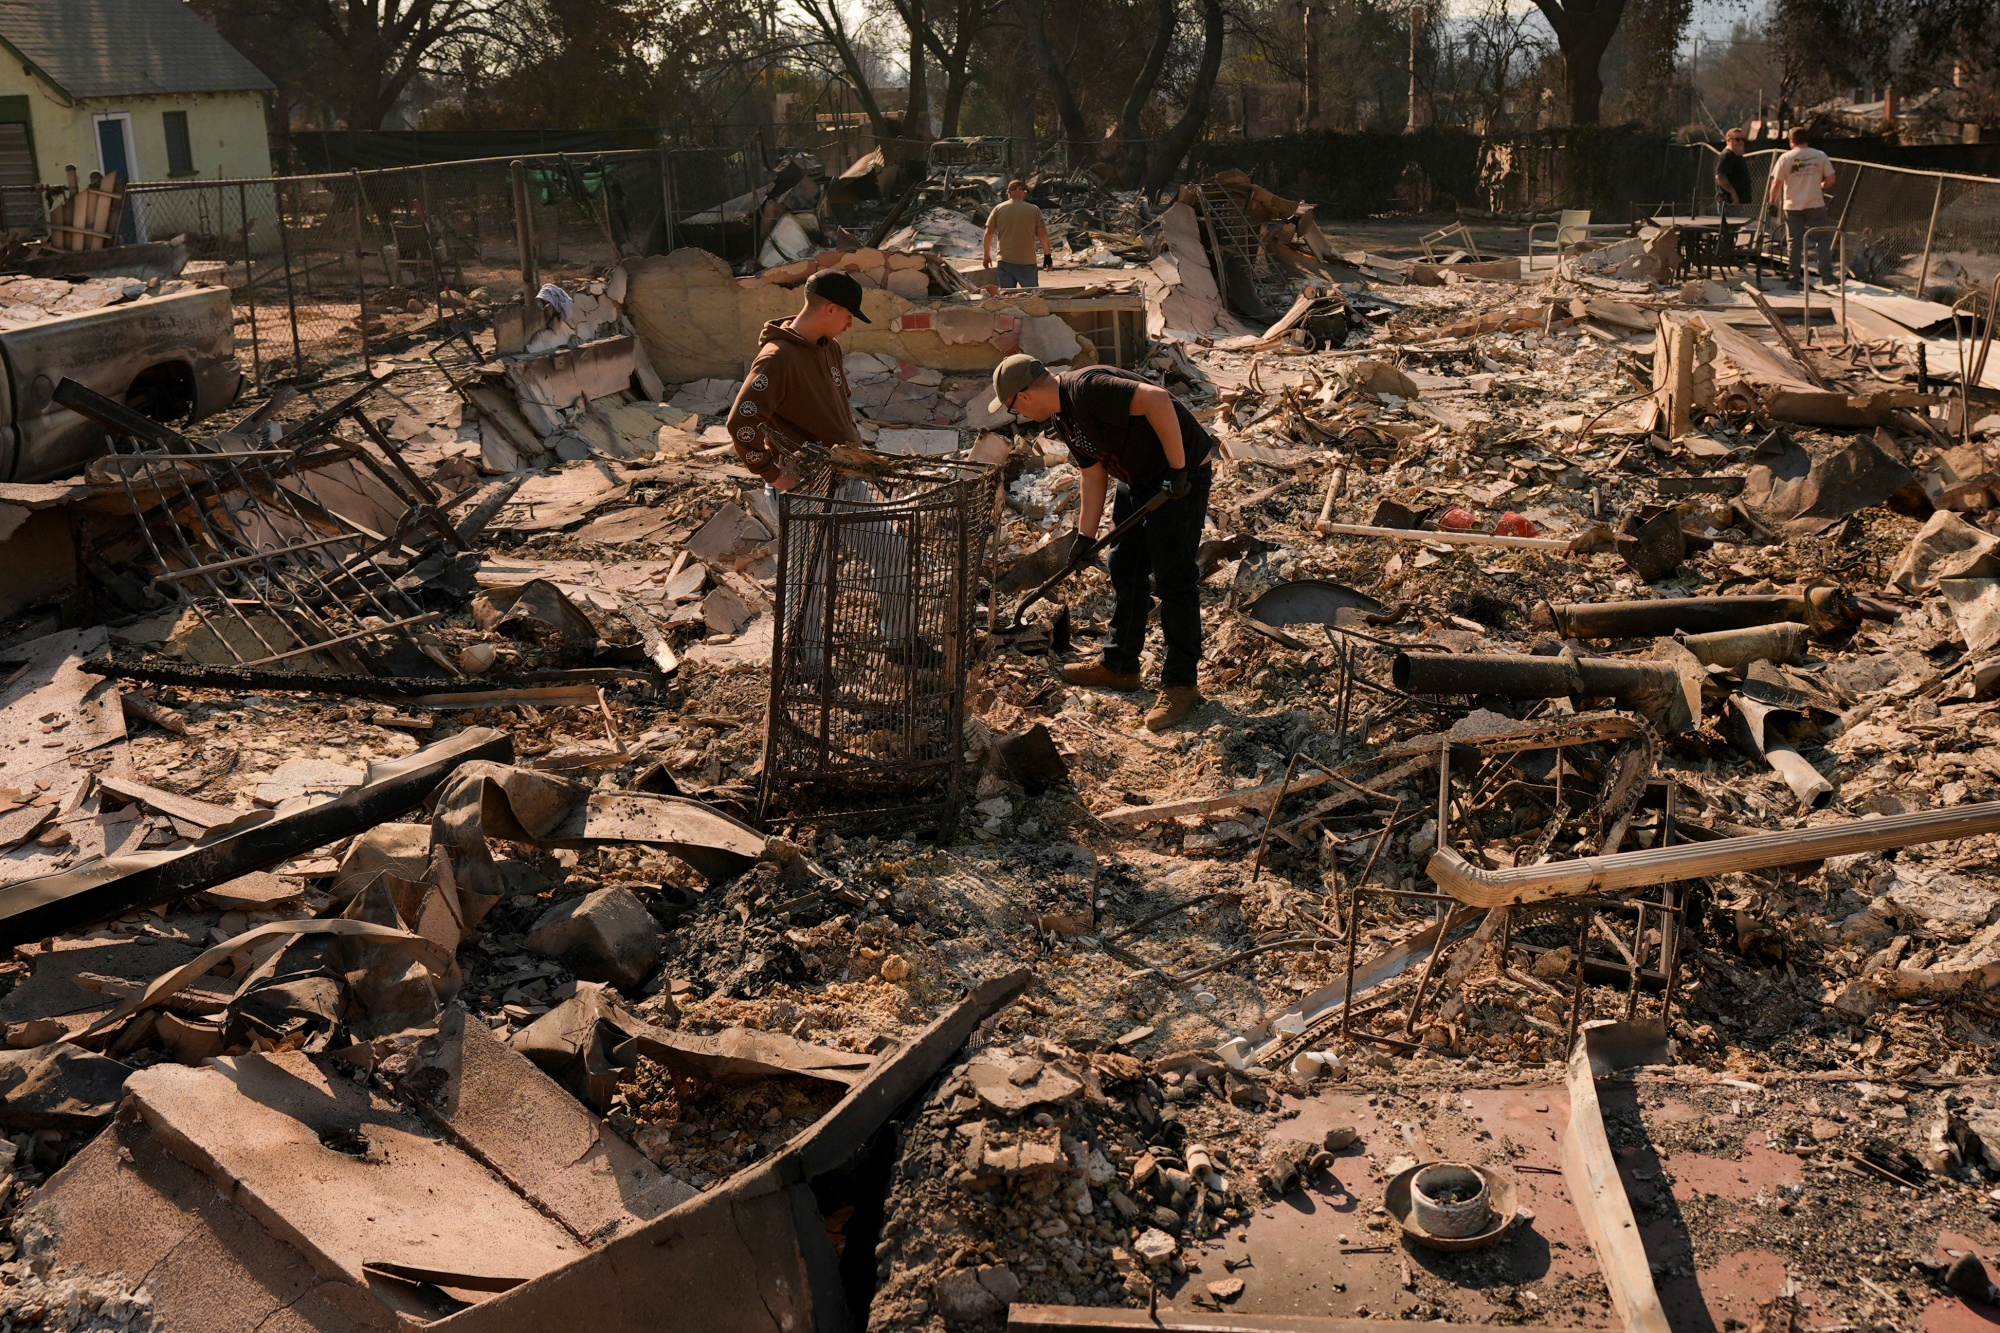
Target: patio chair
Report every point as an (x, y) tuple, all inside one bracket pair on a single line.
[(1571, 232), (1458, 235)]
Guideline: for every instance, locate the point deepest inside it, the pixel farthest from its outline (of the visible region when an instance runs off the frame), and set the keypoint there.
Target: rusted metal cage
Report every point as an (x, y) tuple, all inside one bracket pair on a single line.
[(876, 586)]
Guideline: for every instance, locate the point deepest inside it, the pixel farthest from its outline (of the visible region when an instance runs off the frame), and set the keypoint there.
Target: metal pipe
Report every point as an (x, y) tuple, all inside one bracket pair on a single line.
[(1733, 648), (1523, 676), (524, 232), (1696, 860), (1840, 271), (1930, 234), (1826, 610)]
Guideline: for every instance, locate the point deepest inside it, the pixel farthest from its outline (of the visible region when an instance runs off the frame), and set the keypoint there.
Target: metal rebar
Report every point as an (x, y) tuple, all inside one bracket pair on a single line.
[(1576, 999), (176, 575), (424, 619)]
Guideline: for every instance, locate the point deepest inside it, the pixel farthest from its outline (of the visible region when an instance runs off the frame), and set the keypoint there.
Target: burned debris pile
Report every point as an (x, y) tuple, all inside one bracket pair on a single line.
[(476, 856)]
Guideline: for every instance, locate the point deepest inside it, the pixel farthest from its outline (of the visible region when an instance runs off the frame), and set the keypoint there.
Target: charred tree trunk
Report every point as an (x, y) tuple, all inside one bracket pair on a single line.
[(1584, 29), (1075, 130), (1174, 144), (1126, 150), (826, 16), (917, 116)]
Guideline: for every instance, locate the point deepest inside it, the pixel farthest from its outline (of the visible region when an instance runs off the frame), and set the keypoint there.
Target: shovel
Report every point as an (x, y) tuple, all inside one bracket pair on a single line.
[(1014, 625)]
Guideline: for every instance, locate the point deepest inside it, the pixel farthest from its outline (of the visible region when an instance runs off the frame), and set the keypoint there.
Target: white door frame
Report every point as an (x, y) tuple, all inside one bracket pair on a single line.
[(131, 163)]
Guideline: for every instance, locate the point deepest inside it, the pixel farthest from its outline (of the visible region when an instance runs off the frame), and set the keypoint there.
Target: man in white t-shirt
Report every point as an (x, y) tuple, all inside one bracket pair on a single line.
[(1800, 179)]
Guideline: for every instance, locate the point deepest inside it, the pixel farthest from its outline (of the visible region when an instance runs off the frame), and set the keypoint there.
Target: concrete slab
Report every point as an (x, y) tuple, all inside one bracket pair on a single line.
[(343, 1177), (51, 991), (125, 1206), (524, 1125), (1330, 1251)]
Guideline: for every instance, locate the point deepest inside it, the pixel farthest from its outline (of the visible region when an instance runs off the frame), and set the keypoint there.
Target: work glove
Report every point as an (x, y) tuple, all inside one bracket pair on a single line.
[(1048, 259), (1082, 551), (1177, 483)]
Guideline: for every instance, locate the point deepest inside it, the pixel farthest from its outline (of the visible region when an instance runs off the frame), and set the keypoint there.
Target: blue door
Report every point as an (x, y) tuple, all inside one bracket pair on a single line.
[(111, 152)]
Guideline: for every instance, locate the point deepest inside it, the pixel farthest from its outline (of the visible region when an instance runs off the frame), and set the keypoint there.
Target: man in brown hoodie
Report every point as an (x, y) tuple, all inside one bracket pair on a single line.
[(796, 394), (796, 391)]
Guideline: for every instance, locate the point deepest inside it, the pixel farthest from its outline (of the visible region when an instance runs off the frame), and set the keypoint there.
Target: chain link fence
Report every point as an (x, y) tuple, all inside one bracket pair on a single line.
[(323, 269), (1929, 233)]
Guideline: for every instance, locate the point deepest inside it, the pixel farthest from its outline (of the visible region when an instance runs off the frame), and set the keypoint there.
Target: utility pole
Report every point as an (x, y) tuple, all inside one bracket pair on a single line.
[(1419, 112)]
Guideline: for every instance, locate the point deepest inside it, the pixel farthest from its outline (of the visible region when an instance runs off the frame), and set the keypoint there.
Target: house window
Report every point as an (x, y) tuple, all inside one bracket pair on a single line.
[(180, 154)]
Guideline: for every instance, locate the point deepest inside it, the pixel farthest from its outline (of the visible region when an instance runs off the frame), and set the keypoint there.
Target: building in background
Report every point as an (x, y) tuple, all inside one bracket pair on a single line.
[(144, 88)]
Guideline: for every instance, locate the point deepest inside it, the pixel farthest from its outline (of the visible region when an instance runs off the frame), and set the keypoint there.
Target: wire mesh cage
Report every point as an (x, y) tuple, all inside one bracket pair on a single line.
[(876, 584)]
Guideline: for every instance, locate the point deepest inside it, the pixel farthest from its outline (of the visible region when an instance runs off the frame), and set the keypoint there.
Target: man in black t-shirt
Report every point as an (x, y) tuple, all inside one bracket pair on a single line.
[(1732, 177), (1120, 425)]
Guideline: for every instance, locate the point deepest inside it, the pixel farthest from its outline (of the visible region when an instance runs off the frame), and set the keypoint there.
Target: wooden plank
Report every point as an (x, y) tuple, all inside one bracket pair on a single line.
[(171, 803), (542, 696), (1785, 336), (1592, 1175), (1257, 798)]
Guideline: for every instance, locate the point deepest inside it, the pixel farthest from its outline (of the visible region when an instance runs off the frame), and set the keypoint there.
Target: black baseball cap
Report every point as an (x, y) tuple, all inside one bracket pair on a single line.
[(839, 288)]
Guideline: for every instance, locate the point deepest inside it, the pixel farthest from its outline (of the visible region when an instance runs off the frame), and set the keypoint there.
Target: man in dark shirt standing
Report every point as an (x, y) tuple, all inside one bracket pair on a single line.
[(1732, 176), (1118, 424)]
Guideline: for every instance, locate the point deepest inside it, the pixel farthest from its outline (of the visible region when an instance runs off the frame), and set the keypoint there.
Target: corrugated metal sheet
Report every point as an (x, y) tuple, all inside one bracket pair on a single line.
[(125, 48)]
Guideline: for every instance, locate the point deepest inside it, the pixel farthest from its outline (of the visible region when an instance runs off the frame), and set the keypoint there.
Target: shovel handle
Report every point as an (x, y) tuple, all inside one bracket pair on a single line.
[(1159, 498)]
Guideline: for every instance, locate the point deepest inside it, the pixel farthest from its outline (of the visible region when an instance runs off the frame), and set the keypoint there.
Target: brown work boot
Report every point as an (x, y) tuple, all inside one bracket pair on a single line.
[(1175, 702), (1097, 676)]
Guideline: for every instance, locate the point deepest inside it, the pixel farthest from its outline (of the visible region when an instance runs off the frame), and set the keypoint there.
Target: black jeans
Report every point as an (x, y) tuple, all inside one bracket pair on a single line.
[(1157, 559)]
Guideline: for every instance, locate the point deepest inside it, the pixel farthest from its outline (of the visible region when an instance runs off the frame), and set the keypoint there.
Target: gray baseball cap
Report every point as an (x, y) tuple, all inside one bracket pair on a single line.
[(1013, 374)]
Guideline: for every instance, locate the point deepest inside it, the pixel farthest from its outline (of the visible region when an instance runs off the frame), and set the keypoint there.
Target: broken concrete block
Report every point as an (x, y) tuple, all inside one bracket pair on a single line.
[(59, 1086), (1012, 1084), (1048, 338), (1000, 1280), (1155, 1246), (730, 539), (1378, 378), (962, 1299), (33, 1032), (606, 935), (724, 612)]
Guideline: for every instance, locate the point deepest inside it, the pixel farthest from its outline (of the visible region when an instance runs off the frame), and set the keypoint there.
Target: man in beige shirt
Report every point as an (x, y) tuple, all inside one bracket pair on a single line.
[(1018, 225), (1800, 179)]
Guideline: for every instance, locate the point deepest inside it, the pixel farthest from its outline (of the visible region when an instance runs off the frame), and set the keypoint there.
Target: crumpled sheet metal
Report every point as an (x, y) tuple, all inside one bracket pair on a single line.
[(752, 1256), (520, 805), (591, 1041), (439, 968), (35, 909), (534, 610)]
